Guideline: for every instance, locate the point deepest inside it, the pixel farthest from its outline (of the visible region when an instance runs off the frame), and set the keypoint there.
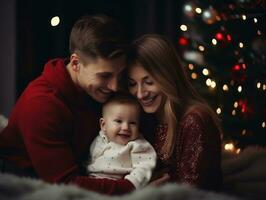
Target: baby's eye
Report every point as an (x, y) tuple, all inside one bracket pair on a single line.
[(133, 123), (118, 121)]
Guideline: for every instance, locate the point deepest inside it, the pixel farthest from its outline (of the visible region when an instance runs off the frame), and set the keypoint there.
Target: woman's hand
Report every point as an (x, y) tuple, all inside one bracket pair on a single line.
[(161, 180)]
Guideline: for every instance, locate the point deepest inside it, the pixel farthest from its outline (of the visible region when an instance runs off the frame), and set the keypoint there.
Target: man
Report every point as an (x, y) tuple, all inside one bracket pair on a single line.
[(56, 118)]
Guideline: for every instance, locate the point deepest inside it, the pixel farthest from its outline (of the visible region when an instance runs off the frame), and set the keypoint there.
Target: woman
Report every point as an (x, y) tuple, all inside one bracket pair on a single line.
[(187, 136)]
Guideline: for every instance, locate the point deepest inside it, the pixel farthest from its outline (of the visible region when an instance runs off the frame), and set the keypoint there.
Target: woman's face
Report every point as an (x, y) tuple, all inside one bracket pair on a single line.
[(142, 85)]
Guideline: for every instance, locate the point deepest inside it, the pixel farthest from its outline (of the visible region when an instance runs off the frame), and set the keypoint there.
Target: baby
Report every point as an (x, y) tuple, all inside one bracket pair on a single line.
[(120, 151)]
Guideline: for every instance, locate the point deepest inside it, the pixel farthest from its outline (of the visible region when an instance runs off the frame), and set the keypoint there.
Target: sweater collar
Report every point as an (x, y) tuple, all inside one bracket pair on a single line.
[(56, 73)]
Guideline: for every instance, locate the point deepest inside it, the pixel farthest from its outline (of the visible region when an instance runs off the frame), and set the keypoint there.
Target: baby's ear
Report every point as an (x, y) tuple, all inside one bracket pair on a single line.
[(102, 123)]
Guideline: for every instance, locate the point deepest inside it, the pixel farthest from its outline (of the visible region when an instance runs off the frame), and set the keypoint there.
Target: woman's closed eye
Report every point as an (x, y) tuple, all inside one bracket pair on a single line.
[(131, 83), (148, 82)]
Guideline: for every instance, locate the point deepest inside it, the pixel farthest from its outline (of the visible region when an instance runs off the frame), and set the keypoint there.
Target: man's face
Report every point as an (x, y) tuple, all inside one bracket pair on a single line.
[(99, 77)]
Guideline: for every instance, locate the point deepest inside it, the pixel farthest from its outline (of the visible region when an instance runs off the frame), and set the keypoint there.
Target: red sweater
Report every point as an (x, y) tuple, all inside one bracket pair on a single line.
[(51, 128)]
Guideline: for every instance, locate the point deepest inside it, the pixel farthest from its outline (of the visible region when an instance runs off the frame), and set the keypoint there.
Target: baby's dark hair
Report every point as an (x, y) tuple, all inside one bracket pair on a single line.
[(121, 98)]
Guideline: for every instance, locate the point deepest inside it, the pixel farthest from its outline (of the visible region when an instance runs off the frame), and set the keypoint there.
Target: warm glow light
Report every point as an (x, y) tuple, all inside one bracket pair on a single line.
[(244, 131), (264, 87), (191, 66), (205, 72), (218, 111), (259, 32), (255, 20), (198, 10), (236, 104), (229, 147), (183, 27), (208, 82), (241, 45), (234, 112), (214, 41), (225, 87), (55, 21), (238, 150), (244, 17), (258, 85), (263, 124), (187, 7), (239, 89), (201, 48), (194, 75), (213, 84)]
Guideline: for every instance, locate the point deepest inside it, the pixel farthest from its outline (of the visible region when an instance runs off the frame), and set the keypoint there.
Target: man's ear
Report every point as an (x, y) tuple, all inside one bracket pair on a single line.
[(102, 124), (75, 62)]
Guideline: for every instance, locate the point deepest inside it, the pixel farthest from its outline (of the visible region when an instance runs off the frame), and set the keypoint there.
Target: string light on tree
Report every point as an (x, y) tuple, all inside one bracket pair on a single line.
[(189, 9), (194, 75), (244, 17), (225, 87), (198, 10), (183, 27), (239, 88), (214, 41), (201, 48), (190, 66), (218, 110), (205, 72), (258, 85), (263, 124), (236, 61)]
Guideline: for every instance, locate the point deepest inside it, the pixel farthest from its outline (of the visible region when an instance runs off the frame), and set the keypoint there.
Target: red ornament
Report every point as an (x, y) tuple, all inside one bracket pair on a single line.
[(223, 38), (239, 72), (229, 38), (183, 41), (219, 36), (246, 108)]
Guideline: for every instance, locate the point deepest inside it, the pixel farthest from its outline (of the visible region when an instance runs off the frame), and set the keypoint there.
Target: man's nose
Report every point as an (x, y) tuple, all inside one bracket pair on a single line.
[(113, 84)]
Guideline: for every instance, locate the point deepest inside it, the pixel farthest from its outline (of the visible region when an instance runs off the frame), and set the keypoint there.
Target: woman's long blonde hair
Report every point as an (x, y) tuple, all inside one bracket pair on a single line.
[(159, 58)]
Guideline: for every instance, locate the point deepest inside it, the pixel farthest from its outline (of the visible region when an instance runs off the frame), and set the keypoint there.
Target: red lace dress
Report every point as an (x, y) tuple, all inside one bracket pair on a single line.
[(196, 158)]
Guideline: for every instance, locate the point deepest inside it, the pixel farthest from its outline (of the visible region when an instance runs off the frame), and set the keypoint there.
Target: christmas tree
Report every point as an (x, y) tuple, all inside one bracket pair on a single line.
[(223, 45)]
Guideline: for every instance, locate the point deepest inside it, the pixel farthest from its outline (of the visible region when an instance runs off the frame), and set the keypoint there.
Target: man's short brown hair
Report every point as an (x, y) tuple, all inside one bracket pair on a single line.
[(97, 36)]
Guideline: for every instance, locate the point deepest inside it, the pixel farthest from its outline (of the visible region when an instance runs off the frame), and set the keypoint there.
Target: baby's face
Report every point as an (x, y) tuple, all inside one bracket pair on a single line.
[(121, 123)]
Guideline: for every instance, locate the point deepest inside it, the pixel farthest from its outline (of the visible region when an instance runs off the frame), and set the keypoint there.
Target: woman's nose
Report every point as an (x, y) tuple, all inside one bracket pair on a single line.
[(141, 92)]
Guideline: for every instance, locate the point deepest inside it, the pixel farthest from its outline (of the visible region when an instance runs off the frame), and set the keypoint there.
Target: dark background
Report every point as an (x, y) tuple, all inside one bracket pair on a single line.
[(29, 41), (38, 41)]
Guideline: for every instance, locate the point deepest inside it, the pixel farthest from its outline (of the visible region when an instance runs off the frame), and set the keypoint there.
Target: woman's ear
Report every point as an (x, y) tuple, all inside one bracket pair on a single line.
[(75, 62), (102, 124)]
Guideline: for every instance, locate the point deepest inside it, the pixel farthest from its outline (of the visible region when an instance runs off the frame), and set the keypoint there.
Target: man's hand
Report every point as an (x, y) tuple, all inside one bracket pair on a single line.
[(161, 180)]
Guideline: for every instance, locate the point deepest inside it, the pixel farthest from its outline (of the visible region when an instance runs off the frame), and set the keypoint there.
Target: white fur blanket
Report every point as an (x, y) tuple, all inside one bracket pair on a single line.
[(12, 187), (245, 173)]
